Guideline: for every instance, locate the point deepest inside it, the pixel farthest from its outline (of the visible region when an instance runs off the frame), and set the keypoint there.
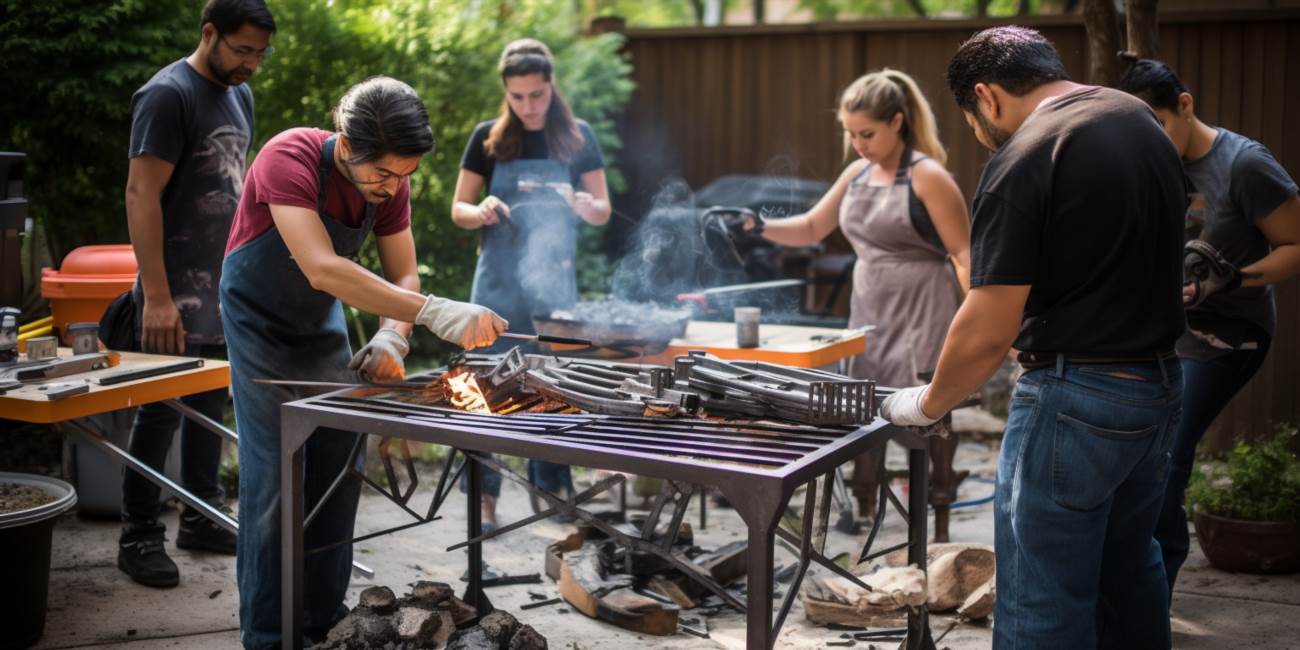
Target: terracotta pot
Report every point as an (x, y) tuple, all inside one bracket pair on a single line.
[(1248, 546)]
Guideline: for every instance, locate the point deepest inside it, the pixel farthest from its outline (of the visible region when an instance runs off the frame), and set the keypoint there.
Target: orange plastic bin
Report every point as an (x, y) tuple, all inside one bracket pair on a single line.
[(90, 278)]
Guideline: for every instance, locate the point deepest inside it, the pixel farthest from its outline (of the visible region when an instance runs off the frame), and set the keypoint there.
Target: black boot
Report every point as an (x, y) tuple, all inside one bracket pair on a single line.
[(198, 533), (142, 556)]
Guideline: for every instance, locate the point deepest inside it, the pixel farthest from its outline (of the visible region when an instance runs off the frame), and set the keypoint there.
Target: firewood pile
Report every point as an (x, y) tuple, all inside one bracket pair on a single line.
[(429, 618)]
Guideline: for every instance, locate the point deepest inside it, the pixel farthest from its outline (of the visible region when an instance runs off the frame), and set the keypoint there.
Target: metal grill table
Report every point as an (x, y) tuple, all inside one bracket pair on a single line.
[(757, 466)]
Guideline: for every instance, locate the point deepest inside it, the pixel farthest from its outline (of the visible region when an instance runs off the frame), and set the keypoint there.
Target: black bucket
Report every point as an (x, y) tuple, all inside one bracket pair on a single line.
[(25, 538)]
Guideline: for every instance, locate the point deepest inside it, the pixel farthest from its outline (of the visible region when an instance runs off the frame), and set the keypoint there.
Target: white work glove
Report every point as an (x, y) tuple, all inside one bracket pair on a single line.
[(467, 325), (904, 408), (380, 360)]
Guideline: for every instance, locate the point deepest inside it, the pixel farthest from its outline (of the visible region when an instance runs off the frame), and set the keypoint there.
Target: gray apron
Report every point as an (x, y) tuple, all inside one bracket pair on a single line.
[(902, 284), (525, 262)]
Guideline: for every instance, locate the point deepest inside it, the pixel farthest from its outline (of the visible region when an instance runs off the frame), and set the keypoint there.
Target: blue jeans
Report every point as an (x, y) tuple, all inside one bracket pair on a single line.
[(1080, 481), (151, 437), (549, 476), (1208, 387)]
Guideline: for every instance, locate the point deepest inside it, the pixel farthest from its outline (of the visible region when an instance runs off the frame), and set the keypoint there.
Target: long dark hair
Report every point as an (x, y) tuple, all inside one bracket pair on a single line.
[(1153, 82), (506, 139), (382, 116)]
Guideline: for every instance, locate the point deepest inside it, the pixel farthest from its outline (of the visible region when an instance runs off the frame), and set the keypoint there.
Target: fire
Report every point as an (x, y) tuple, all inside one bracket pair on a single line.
[(465, 393)]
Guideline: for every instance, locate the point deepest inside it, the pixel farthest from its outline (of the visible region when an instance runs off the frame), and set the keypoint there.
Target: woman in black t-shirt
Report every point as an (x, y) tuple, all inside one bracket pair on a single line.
[(543, 172), (1244, 206)]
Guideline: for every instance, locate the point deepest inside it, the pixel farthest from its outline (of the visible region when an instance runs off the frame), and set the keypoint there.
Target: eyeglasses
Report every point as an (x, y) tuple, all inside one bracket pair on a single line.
[(245, 52)]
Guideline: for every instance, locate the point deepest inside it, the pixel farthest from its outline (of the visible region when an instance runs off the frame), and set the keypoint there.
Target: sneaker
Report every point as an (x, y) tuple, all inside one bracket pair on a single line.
[(198, 533), (141, 555)]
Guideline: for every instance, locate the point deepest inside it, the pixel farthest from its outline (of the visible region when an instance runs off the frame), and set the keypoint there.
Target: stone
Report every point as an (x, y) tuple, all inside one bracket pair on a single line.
[(432, 593), (499, 625), (526, 638), (380, 600), (954, 576), (462, 613), (360, 629), (473, 638)]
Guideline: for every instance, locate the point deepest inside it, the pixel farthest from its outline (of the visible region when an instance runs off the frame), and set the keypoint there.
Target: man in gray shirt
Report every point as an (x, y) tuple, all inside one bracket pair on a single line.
[(191, 126)]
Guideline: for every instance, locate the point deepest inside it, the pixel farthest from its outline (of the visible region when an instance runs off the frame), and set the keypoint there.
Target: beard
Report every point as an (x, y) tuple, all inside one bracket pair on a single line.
[(992, 136), (228, 76)]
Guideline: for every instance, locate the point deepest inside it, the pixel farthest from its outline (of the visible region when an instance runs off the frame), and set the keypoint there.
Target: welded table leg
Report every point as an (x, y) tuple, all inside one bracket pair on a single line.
[(473, 513), (918, 619), (758, 588), (291, 539)]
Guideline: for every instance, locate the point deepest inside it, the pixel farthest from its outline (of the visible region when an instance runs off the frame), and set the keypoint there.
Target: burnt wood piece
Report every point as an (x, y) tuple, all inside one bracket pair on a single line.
[(610, 597), (725, 564)]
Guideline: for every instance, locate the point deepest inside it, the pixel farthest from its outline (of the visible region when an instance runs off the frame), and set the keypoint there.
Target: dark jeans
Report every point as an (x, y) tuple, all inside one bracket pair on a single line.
[(1080, 480), (151, 437), (551, 477), (1208, 387)]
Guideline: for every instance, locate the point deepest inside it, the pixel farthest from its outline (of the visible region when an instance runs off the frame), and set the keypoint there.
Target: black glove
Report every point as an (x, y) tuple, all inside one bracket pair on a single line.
[(1207, 272)]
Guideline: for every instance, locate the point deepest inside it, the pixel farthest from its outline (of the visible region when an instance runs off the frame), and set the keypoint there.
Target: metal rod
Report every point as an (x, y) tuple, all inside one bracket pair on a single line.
[(546, 338), (585, 495), (202, 420), (805, 551)]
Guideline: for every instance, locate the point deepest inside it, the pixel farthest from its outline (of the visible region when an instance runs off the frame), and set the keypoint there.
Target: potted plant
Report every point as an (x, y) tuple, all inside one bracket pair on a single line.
[(1247, 510)]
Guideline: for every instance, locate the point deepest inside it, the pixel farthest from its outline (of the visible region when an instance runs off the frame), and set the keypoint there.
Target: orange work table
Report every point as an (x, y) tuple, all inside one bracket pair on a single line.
[(789, 345)]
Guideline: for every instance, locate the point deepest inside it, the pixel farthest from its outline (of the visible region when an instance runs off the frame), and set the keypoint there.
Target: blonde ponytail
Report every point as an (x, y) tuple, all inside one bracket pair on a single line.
[(888, 92)]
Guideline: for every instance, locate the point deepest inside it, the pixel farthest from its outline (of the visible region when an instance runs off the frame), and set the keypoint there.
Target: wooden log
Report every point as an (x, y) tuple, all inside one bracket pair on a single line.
[(727, 563), (610, 598)]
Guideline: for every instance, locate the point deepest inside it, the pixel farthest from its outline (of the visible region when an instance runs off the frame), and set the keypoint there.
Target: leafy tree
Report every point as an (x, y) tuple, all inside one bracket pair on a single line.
[(70, 69)]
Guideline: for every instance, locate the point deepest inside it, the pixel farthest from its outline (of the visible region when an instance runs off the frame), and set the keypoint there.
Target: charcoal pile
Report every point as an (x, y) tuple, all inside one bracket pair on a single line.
[(429, 618)]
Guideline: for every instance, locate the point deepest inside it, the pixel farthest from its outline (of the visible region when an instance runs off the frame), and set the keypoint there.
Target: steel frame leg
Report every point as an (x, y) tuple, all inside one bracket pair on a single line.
[(473, 502), (292, 506), (918, 619)]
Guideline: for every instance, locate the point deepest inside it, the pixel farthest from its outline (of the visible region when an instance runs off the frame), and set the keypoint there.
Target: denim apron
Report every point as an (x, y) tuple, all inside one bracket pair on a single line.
[(525, 261), (525, 267), (278, 327)]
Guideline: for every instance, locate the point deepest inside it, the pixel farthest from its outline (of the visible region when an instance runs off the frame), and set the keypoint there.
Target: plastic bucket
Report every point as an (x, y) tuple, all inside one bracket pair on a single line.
[(25, 537), (88, 280)]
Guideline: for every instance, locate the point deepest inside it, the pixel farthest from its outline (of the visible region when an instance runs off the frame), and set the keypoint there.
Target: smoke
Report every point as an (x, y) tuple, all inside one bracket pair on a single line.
[(671, 253), (545, 267)]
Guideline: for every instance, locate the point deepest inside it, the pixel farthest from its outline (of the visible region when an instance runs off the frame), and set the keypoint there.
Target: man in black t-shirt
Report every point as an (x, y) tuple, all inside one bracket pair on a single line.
[(1076, 260), (191, 126)]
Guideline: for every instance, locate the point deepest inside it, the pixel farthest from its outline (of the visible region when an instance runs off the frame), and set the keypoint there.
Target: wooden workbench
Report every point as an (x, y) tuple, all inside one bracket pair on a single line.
[(29, 404), (790, 345)]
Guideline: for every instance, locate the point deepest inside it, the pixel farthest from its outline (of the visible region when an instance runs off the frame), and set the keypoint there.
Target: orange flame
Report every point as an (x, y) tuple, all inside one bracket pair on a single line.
[(465, 393)]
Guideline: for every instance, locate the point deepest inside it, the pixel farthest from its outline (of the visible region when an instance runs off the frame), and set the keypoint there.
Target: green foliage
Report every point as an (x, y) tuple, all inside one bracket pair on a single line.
[(70, 68), (72, 65), (1259, 482), (852, 9)]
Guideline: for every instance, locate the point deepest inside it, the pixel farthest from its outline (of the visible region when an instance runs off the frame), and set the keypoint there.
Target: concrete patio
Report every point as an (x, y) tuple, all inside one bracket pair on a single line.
[(93, 604)]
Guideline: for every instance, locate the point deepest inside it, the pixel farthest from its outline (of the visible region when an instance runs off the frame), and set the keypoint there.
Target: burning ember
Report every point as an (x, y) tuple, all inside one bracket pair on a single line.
[(464, 393)]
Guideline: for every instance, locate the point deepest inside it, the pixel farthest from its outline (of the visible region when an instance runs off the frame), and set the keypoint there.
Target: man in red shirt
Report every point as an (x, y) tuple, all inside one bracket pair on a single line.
[(310, 200)]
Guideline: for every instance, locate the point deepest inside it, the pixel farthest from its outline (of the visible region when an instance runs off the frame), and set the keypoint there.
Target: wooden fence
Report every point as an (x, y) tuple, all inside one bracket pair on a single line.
[(760, 100)]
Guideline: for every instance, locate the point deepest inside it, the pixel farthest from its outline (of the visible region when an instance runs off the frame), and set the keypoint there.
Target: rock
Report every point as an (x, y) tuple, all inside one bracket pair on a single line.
[(499, 625), (432, 593), (980, 603), (954, 576), (379, 600), (424, 628), (360, 629), (473, 638), (526, 638), (462, 613)]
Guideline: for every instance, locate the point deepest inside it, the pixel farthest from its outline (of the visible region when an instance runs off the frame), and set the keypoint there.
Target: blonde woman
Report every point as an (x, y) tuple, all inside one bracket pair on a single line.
[(907, 221)]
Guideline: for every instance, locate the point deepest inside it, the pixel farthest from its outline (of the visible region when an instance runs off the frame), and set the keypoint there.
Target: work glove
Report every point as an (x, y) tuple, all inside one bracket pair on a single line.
[(380, 360), (467, 325), (1206, 272), (904, 408)]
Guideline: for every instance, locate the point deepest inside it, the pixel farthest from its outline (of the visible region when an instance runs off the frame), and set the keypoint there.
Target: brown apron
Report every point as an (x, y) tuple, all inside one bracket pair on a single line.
[(902, 283)]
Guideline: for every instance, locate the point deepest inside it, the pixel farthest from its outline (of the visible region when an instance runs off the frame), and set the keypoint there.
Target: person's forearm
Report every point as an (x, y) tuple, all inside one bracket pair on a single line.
[(354, 285), (410, 282), (971, 354), (597, 213), (1282, 263), (466, 215), (144, 223), (792, 231)]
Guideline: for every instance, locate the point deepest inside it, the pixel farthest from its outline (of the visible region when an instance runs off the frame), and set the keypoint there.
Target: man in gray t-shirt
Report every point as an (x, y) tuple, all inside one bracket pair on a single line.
[(191, 127)]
